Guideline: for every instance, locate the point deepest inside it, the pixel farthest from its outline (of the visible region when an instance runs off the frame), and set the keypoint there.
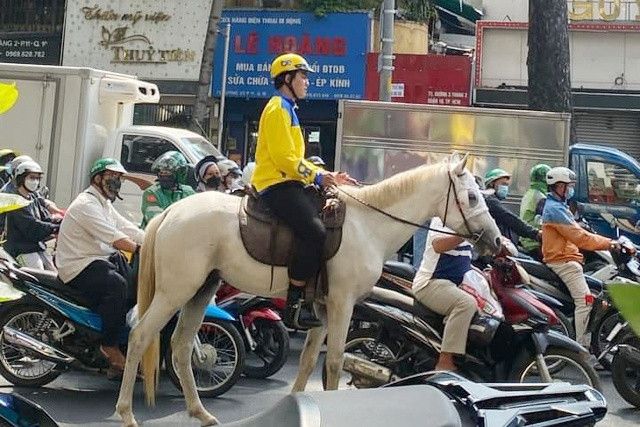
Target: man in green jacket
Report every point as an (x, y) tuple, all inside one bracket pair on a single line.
[(531, 207), (171, 169)]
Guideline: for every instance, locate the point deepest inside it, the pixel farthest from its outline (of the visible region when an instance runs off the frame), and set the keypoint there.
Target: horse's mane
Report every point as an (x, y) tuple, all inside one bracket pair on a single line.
[(389, 191)]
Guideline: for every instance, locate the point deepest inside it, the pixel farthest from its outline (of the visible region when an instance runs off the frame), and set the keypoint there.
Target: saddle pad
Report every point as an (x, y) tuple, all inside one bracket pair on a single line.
[(258, 227)]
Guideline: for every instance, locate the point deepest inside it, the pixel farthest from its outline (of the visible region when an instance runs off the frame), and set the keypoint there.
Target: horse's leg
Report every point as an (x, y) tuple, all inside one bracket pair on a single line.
[(338, 317), (154, 319), (182, 347), (309, 356)]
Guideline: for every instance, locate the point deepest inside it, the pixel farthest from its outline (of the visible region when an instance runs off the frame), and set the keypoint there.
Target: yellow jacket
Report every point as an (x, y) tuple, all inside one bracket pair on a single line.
[(280, 148)]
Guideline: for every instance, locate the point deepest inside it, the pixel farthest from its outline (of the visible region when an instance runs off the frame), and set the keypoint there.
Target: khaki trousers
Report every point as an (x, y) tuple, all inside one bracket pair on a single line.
[(572, 275), (445, 298)]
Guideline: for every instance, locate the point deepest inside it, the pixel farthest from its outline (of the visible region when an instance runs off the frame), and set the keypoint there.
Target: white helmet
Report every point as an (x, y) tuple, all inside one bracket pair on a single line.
[(16, 162), (28, 167), (228, 166), (560, 174), (247, 173)]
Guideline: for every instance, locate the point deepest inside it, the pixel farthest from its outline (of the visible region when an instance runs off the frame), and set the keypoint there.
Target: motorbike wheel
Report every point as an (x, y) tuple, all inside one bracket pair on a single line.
[(564, 327), (272, 349), (17, 365), (625, 372), (599, 336), (575, 368), (365, 343), (223, 359)]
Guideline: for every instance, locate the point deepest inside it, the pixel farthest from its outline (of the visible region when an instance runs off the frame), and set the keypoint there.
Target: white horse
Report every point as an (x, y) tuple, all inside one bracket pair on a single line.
[(197, 240)]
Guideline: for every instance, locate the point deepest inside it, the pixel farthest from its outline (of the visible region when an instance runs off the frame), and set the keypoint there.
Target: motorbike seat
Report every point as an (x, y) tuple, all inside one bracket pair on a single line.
[(400, 269), (404, 302), (51, 281)]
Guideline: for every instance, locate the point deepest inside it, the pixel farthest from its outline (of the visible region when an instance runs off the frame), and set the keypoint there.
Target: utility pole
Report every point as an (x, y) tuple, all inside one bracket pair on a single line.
[(387, 17)]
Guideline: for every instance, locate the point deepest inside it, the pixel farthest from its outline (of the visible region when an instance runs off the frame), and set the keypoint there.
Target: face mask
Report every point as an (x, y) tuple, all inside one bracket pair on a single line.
[(213, 182), (167, 182), (32, 184), (112, 188), (502, 191), (571, 191)]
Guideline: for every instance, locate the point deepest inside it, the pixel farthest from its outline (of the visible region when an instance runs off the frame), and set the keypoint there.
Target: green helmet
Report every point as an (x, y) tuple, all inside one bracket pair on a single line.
[(172, 161), (539, 172), (494, 174), (105, 164)]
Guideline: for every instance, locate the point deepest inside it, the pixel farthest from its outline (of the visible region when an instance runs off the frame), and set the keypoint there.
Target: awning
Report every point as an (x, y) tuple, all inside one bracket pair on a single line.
[(457, 16)]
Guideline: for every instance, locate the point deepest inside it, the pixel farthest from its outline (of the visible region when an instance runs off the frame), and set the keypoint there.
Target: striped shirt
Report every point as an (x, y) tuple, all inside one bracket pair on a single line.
[(450, 265)]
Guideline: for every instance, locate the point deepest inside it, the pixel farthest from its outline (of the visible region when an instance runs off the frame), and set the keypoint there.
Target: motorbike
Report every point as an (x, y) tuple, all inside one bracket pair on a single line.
[(438, 399), (49, 329), (394, 336), (265, 337)]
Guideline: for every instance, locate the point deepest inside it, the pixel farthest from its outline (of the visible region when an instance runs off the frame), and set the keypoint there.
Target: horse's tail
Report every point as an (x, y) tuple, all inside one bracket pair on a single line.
[(146, 292)]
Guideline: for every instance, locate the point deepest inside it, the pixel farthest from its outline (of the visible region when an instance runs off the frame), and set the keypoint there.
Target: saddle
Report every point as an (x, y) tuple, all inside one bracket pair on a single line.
[(270, 242)]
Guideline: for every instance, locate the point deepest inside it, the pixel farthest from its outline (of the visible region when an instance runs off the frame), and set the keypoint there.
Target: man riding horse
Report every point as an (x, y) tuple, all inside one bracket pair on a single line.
[(280, 175)]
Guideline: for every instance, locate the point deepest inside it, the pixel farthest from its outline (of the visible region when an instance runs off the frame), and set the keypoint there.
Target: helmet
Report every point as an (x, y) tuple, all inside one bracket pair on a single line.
[(539, 172), (6, 152), (28, 167), (247, 173), (172, 161), (107, 163), (482, 330), (289, 62), (228, 166), (316, 160), (495, 174), (16, 162), (560, 174)]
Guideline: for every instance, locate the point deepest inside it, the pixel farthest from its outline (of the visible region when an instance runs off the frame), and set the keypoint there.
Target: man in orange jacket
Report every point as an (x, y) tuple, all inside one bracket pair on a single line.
[(562, 239)]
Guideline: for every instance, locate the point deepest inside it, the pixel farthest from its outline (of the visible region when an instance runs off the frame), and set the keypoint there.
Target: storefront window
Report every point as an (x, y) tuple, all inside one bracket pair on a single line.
[(46, 16), (612, 184)]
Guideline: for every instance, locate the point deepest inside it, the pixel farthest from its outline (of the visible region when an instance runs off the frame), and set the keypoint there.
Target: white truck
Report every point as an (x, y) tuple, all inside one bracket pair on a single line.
[(66, 117)]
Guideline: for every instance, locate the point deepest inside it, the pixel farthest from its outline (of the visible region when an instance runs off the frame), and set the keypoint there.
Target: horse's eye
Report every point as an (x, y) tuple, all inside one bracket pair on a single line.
[(473, 198)]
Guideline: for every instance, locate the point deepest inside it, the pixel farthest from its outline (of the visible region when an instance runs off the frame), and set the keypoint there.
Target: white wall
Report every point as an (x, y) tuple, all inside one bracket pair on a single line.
[(597, 59)]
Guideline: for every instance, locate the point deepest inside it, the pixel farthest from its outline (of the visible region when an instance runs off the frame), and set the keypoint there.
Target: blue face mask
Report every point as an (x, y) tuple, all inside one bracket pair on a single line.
[(571, 191), (502, 191)]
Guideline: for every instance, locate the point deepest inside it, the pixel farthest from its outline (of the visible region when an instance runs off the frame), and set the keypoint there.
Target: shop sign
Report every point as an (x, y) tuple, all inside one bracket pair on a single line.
[(335, 46), (30, 48), (151, 38), (424, 79), (605, 10)]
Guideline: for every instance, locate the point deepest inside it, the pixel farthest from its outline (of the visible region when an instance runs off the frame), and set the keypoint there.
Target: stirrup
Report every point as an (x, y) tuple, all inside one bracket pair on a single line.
[(315, 322)]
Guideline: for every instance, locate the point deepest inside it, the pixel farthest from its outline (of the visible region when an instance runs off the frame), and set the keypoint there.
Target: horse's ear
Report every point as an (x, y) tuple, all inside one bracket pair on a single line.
[(454, 158), (459, 168)]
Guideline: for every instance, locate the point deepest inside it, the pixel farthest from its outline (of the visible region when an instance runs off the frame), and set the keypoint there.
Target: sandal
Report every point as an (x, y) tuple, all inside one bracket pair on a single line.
[(116, 366)]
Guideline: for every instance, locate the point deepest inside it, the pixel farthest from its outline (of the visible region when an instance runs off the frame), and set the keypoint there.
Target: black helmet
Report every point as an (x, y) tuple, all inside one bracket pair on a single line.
[(482, 330)]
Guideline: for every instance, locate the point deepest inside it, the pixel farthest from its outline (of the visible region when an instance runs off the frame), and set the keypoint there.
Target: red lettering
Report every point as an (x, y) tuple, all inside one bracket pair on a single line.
[(237, 45), (275, 44), (323, 46), (252, 43), (305, 45), (339, 46), (290, 44)]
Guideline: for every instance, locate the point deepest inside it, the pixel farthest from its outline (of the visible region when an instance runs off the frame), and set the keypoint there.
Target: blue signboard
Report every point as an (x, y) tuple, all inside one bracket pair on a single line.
[(335, 46)]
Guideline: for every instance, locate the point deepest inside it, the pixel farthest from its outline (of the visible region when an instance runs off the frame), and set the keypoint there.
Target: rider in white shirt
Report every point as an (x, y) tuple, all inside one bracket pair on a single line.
[(89, 241)]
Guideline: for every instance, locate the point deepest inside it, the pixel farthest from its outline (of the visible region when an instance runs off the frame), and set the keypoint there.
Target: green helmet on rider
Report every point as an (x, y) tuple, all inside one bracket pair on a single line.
[(498, 180), (171, 169), (106, 176)]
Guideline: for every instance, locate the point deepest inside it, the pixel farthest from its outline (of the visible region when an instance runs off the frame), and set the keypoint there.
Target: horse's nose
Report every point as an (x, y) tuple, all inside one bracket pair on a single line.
[(498, 242)]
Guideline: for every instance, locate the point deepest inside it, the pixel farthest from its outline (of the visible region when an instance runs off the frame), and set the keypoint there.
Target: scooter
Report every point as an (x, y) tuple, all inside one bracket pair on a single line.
[(395, 336), (265, 337), (438, 399), (49, 329)]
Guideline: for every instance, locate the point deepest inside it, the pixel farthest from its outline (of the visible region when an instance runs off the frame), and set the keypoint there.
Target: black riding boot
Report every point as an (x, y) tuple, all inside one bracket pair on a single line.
[(298, 314)]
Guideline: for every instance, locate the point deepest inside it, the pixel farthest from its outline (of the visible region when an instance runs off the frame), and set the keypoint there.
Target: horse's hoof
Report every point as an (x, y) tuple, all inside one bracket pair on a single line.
[(212, 422)]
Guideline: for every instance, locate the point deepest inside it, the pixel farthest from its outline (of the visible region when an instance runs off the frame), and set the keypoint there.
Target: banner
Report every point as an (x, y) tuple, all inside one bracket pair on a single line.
[(30, 48), (335, 46)]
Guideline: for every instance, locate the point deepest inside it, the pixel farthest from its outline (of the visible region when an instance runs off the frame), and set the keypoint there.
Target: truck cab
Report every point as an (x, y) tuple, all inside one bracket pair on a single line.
[(137, 147), (607, 190)]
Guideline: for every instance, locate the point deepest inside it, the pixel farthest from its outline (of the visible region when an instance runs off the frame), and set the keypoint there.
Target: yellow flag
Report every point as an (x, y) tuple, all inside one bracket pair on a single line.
[(8, 96)]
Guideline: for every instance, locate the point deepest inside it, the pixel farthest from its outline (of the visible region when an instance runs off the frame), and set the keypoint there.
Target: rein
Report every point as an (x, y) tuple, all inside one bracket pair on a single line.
[(474, 237)]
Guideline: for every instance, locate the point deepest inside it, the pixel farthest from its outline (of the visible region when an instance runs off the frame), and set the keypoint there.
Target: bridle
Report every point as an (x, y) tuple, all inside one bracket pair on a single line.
[(473, 237)]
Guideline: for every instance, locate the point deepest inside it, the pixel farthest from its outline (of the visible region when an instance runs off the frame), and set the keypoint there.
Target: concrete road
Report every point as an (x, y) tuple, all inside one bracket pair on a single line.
[(88, 400)]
